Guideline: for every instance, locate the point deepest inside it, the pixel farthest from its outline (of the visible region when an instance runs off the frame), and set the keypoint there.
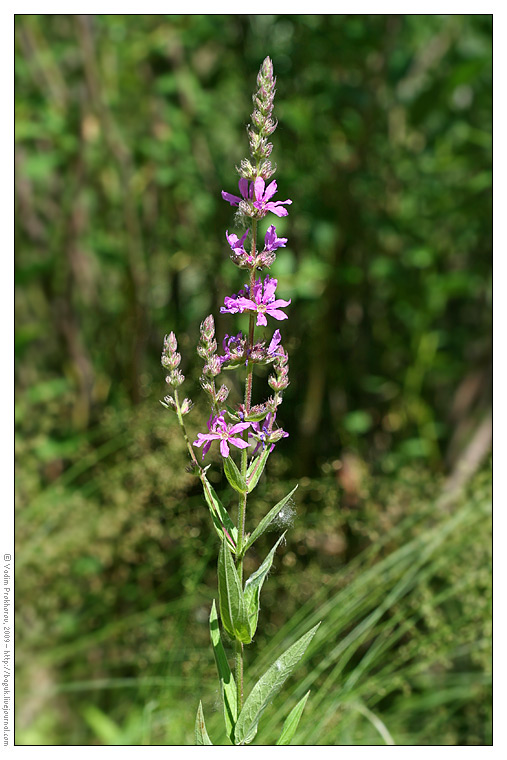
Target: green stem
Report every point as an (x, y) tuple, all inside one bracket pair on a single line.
[(184, 430), (244, 464)]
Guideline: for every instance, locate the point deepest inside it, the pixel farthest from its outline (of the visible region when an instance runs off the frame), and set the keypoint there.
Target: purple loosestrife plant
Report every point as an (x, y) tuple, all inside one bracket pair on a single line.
[(245, 435)]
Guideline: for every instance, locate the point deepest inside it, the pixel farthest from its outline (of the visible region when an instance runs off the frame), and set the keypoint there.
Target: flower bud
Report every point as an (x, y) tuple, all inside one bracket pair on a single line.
[(171, 361), (275, 435), (206, 385), (246, 170), (175, 378), (169, 403), (222, 394), (208, 328), (186, 406), (213, 367)]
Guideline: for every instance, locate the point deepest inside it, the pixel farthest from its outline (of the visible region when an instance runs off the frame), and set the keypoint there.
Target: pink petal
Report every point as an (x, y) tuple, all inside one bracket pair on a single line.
[(246, 303), (239, 443), (257, 291), (243, 187), (224, 449), (270, 190), (259, 185), (232, 199), (279, 302), (276, 313), (276, 210), (269, 289), (261, 319), (239, 427)]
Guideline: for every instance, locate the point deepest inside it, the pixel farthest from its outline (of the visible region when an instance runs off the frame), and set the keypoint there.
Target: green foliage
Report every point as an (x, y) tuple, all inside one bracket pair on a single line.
[(227, 682), (266, 521), (268, 685), (201, 735), (292, 722), (233, 475), (233, 610), (253, 587), (219, 515), (256, 468)]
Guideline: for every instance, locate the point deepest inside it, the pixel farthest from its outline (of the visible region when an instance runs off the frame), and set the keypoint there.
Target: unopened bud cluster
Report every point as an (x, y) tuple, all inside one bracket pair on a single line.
[(260, 129), (263, 124), (280, 380), (171, 360), (212, 364)]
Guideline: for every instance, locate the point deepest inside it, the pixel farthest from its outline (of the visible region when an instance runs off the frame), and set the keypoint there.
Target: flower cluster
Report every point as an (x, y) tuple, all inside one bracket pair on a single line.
[(260, 259), (259, 300), (256, 200), (237, 351)]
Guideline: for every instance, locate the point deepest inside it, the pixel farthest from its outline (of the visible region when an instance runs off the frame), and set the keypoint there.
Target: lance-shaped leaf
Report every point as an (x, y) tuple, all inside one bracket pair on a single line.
[(266, 521), (292, 722), (201, 735), (253, 587), (221, 520), (227, 683), (267, 687), (231, 600), (257, 468), (234, 476)]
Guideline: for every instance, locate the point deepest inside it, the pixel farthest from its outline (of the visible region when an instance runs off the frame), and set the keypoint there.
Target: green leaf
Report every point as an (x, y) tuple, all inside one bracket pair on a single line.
[(227, 683), (266, 521), (292, 722), (257, 468), (234, 476), (230, 594), (253, 587), (267, 687), (221, 520), (233, 364), (201, 735), (256, 416)]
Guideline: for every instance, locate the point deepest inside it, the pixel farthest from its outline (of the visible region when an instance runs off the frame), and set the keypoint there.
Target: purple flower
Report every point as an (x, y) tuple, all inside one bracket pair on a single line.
[(261, 302), (264, 434), (271, 241), (238, 254), (219, 430), (235, 242), (234, 348), (258, 195), (263, 197)]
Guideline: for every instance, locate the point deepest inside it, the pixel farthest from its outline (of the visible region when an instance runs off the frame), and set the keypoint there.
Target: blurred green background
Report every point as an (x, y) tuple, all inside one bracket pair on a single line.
[(127, 129)]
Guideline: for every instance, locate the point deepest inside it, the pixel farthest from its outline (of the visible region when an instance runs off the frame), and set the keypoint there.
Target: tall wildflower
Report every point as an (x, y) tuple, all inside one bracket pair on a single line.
[(247, 434)]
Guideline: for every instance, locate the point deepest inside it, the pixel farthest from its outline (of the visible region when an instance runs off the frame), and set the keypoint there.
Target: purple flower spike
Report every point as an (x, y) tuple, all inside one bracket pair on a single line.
[(271, 241), (263, 197), (219, 430), (261, 302)]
